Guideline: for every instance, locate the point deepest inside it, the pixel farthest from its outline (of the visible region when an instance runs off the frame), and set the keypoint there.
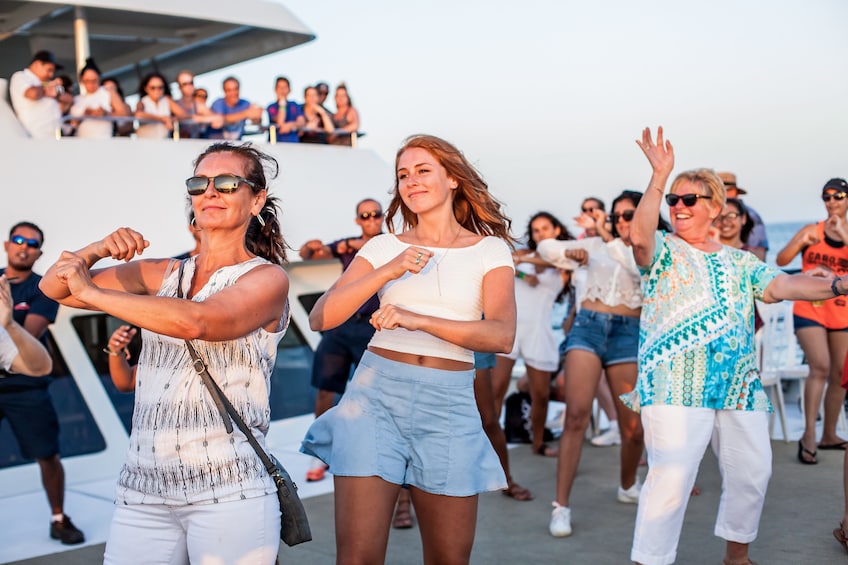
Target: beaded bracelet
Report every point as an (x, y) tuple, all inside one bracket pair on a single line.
[(108, 351)]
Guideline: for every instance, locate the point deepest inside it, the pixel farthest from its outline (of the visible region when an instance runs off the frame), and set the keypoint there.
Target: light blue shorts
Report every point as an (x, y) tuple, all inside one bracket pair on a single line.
[(408, 425), (614, 339)]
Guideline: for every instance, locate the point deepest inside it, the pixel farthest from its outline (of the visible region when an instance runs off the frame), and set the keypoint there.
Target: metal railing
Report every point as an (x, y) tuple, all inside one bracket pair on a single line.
[(249, 130)]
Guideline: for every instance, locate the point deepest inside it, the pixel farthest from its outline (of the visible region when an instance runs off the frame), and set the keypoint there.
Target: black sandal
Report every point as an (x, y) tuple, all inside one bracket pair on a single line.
[(802, 450)]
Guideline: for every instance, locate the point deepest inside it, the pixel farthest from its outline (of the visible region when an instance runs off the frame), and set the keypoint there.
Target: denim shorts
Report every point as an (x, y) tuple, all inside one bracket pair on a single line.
[(485, 360), (800, 323), (408, 425), (614, 339), (33, 420)]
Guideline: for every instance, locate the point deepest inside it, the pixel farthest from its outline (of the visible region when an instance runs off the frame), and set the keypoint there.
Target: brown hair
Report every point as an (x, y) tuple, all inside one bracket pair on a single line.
[(265, 241), (473, 205)]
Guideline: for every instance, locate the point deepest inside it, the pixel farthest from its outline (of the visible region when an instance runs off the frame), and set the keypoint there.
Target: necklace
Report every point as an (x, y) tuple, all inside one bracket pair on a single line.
[(442, 258)]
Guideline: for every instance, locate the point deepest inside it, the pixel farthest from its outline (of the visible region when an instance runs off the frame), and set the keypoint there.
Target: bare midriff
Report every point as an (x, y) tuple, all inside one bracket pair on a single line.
[(620, 310), (422, 360)]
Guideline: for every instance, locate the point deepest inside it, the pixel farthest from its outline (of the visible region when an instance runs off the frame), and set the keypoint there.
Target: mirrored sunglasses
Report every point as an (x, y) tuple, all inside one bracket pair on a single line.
[(627, 216), (21, 240), (730, 216), (366, 215), (226, 184), (835, 195), (688, 200)]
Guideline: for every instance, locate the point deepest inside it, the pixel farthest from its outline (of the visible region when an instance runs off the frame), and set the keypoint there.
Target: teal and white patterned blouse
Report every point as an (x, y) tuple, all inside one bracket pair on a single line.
[(696, 333)]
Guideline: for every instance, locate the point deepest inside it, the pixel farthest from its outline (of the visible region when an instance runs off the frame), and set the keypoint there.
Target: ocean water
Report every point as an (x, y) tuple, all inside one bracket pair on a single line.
[(779, 235)]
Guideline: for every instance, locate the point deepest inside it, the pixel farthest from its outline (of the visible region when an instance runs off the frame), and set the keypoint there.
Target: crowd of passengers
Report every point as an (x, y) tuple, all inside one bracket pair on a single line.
[(44, 103)]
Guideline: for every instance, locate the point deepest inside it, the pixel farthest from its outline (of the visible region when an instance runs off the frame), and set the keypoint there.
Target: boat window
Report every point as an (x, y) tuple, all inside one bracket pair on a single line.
[(78, 432)]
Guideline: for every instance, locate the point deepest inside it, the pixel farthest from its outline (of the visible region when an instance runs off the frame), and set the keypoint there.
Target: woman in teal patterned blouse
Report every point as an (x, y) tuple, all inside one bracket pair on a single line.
[(697, 362)]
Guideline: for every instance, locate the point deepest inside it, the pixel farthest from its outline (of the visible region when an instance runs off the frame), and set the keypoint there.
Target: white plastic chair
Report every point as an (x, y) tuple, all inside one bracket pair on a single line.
[(778, 356)]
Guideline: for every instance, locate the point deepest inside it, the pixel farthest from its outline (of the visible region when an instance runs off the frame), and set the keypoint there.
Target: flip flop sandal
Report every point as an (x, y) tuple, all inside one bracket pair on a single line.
[(802, 450), (517, 492)]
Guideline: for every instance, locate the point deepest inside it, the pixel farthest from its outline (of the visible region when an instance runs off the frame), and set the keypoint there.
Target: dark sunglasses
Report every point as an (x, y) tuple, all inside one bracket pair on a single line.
[(627, 216), (689, 200), (21, 240), (189, 83), (155, 87), (365, 215), (226, 184), (835, 196), (587, 210)]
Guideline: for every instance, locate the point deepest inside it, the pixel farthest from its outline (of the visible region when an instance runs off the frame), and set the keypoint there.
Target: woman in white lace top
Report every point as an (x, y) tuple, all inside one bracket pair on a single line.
[(189, 491), (604, 337)]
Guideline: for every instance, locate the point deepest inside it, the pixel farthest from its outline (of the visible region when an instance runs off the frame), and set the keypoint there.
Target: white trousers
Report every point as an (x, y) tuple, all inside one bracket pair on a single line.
[(239, 532), (675, 440)]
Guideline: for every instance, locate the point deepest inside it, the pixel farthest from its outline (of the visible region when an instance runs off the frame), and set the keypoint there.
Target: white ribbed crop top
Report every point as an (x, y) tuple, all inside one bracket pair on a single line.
[(457, 271)]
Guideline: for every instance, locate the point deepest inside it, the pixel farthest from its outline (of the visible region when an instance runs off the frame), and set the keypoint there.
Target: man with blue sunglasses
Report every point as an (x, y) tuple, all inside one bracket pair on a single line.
[(25, 401)]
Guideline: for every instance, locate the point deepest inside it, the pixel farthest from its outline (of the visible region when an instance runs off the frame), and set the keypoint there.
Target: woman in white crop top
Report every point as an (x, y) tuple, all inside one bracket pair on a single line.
[(604, 337), (189, 491), (409, 416)]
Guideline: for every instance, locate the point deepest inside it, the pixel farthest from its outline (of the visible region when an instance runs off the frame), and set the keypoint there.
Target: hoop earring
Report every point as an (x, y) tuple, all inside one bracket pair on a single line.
[(260, 219), (193, 224)]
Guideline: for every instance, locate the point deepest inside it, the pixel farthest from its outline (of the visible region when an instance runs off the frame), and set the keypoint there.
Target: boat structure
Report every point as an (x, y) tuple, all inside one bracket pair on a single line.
[(79, 190)]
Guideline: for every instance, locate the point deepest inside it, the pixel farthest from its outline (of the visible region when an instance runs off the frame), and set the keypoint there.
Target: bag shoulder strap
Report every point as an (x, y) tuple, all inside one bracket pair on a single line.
[(225, 408)]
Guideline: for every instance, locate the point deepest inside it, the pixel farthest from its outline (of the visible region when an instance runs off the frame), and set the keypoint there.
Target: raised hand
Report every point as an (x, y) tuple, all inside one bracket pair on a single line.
[(122, 244), (659, 154), (410, 260)]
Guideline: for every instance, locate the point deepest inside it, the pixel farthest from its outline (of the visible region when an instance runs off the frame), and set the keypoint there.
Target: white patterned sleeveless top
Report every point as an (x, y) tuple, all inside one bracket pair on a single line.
[(180, 452)]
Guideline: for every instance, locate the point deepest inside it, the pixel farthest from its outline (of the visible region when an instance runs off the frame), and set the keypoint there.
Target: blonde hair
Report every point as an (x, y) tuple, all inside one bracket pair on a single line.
[(708, 180), (474, 207)]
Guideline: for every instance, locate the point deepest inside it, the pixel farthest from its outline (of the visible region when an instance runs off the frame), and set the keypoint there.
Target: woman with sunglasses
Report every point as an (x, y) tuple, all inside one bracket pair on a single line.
[(733, 226), (603, 339), (698, 377), (409, 416), (189, 491), (156, 108), (822, 327)]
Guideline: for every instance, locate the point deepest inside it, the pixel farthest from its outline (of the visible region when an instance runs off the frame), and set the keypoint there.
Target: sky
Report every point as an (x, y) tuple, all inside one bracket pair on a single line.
[(546, 98)]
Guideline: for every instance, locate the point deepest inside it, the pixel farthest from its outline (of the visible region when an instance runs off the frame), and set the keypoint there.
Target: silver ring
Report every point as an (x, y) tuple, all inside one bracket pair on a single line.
[(418, 259)]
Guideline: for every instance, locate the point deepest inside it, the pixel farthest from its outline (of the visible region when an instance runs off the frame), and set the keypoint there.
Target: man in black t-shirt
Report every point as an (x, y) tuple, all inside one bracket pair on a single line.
[(25, 401), (341, 348)]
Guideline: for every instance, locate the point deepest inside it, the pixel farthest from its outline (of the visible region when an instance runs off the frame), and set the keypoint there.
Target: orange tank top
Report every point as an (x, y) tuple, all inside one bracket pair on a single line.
[(832, 313)]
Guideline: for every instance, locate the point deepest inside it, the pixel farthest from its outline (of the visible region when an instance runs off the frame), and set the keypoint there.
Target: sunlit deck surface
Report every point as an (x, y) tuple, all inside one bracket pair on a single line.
[(803, 506)]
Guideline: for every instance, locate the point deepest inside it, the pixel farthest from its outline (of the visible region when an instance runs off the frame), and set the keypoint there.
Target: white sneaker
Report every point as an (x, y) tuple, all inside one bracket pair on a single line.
[(608, 438), (631, 495), (560, 525)]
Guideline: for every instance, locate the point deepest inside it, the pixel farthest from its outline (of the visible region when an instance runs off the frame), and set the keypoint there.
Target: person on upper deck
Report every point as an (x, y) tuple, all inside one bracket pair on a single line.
[(156, 107), (36, 96), (96, 101), (822, 327), (698, 377), (198, 115), (409, 416), (284, 114), (346, 118), (235, 110), (757, 241), (318, 123)]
